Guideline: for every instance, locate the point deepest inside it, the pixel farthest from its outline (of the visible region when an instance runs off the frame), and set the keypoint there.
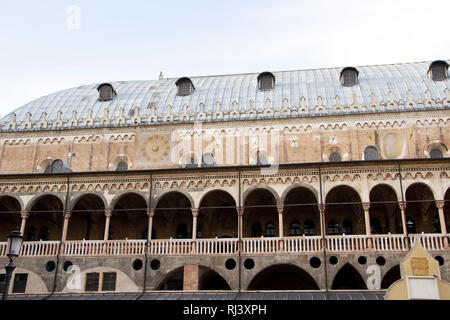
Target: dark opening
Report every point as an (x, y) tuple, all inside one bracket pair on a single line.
[(348, 278), (283, 277), (381, 261), (249, 264), (50, 266), (137, 264), (390, 277), (20, 282), (333, 260), (315, 262), (440, 260), (211, 280), (155, 264), (66, 265), (362, 260), (230, 264)]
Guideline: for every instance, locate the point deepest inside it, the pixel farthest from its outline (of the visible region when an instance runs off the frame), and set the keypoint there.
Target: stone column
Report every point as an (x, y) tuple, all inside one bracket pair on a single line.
[(194, 223), (65, 226), (280, 220), (366, 207), (322, 223), (25, 216), (190, 278), (108, 217), (405, 230), (240, 212), (151, 214), (440, 205)]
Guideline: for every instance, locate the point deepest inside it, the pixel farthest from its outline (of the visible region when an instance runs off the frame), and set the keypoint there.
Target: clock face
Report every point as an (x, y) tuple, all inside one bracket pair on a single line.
[(155, 148)]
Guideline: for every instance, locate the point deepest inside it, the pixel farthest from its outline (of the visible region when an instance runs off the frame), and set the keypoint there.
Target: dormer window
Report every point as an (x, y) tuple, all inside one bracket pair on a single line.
[(266, 81), (438, 70), (57, 166), (349, 76), (185, 86), (106, 92)]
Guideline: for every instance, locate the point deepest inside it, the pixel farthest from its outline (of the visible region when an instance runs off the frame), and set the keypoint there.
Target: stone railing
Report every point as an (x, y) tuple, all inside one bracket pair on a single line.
[(303, 244), (230, 246), (39, 248)]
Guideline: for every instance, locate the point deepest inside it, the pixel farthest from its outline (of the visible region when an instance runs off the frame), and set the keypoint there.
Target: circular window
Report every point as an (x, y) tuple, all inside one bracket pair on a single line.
[(230, 264), (440, 260), (137, 264), (381, 261), (333, 260), (315, 262), (249, 264), (50, 266), (155, 264), (362, 260), (66, 265), (335, 157)]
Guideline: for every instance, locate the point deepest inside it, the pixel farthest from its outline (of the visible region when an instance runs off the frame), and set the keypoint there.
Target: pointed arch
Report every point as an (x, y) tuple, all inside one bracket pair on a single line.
[(348, 278)]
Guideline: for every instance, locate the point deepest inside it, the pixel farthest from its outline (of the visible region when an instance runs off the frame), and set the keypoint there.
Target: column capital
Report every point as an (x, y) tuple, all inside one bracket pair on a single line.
[(240, 211), (108, 213), (321, 208), (151, 212), (402, 206), (194, 212), (440, 204), (67, 215), (280, 209), (366, 206), (25, 215)]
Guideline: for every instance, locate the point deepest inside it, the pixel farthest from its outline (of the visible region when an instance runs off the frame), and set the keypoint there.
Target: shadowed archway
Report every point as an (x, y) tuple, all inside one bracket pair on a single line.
[(260, 214), (9, 216), (301, 214), (283, 277), (390, 277), (173, 217), (45, 220), (384, 212), (421, 211), (348, 278), (129, 218), (88, 219)]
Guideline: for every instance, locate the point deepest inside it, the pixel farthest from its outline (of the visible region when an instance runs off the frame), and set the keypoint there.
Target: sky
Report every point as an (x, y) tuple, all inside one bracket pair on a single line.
[(47, 46)]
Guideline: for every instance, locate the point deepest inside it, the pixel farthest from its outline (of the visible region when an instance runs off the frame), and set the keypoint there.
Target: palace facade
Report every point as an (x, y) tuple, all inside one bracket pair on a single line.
[(295, 180)]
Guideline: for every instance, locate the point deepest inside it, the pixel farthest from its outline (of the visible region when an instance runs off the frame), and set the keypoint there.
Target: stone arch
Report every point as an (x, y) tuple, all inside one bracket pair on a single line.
[(123, 282), (283, 277), (35, 284), (343, 211), (45, 218), (184, 193), (300, 214), (217, 216), (260, 213), (36, 198), (117, 198), (384, 211), (176, 276), (173, 216), (298, 185), (348, 278), (129, 217), (420, 209), (203, 196), (10, 219), (391, 276), (270, 189), (87, 220), (79, 196)]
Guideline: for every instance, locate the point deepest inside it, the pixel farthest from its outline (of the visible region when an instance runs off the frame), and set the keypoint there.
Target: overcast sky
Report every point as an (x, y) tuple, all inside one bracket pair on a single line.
[(47, 46)]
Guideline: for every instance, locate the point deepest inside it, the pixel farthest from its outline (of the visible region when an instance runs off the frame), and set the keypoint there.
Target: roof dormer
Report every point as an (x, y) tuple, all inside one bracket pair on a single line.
[(349, 76), (266, 81), (106, 92), (185, 86), (438, 70)]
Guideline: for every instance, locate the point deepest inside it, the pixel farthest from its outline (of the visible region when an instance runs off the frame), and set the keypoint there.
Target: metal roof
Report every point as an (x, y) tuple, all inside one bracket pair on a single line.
[(301, 88), (348, 295)]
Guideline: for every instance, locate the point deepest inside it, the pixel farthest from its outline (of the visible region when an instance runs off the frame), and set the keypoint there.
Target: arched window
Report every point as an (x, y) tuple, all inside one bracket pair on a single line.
[(335, 157), (333, 227), (256, 230), (410, 225), (349, 76), (181, 232), (44, 234), (48, 169), (347, 227), (436, 154), (261, 158), (438, 70), (308, 228), (371, 153), (122, 166), (436, 225), (185, 86), (57, 166), (270, 230), (375, 226), (208, 160), (105, 92), (266, 81), (294, 228)]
